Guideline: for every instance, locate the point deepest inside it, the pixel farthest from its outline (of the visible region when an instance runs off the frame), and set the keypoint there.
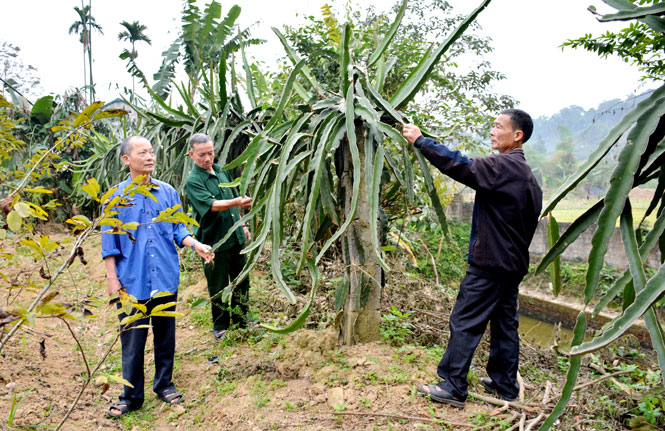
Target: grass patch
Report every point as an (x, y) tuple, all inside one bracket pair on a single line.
[(568, 210)]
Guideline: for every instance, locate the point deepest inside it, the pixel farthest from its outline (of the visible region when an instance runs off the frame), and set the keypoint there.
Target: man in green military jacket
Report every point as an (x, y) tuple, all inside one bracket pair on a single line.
[(216, 211)]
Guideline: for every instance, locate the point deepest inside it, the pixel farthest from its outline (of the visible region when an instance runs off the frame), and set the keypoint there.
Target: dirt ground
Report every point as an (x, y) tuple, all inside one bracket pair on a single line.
[(256, 380)]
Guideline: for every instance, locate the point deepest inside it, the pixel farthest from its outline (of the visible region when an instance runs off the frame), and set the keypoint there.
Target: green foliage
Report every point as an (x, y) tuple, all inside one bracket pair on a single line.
[(16, 403), (573, 279), (640, 161), (652, 408), (34, 292), (550, 144), (134, 32), (395, 326), (338, 138), (10, 145), (448, 251), (203, 46), (639, 44), (555, 268), (340, 407), (462, 104), (484, 420), (84, 28), (209, 100)]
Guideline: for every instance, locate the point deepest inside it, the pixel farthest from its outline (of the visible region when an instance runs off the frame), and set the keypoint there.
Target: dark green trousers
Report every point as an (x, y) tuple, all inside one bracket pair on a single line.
[(219, 273)]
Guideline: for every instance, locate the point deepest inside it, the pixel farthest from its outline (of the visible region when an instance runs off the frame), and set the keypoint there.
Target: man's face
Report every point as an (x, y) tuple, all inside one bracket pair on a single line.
[(203, 155), (141, 159), (503, 136)]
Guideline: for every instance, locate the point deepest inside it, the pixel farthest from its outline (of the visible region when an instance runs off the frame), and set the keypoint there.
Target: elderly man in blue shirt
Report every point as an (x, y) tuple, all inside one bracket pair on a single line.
[(142, 266)]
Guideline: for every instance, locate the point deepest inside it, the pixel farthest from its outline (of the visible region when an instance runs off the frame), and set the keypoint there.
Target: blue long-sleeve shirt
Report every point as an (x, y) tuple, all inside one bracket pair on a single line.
[(151, 262)]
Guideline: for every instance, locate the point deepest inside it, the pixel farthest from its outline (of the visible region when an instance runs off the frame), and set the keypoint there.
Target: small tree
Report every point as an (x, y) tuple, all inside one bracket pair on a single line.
[(333, 155), (134, 32), (31, 293), (84, 27)]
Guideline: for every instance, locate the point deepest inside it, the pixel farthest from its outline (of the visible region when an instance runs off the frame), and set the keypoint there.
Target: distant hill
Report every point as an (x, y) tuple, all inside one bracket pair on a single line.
[(586, 128)]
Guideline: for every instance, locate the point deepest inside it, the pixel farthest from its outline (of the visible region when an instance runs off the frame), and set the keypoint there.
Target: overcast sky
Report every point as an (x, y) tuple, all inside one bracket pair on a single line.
[(526, 34)]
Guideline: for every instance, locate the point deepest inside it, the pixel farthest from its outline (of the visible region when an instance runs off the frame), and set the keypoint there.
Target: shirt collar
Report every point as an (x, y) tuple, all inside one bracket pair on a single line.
[(155, 182), (200, 171)]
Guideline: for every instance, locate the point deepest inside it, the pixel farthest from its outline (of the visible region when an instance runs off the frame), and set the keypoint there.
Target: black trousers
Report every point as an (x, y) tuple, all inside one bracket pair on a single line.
[(481, 300), (133, 351), (219, 273)]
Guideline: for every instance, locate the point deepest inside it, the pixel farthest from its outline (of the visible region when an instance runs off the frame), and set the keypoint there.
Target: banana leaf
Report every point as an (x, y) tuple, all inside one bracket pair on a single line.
[(166, 72), (655, 22)]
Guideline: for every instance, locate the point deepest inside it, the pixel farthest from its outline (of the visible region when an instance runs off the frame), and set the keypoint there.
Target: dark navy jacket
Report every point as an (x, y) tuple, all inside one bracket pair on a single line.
[(506, 209)]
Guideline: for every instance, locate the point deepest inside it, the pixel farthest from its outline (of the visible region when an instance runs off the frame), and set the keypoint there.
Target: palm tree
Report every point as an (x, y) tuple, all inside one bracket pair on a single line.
[(134, 33), (84, 28)]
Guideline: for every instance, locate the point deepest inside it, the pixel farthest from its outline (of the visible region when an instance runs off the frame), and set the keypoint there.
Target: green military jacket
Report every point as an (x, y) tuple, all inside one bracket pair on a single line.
[(202, 188)]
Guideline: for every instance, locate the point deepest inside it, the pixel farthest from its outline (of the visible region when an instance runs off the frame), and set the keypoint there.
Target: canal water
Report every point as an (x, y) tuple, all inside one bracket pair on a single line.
[(542, 333)]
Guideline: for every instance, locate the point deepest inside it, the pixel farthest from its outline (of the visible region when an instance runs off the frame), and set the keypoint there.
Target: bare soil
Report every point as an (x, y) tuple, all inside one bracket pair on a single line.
[(256, 380)]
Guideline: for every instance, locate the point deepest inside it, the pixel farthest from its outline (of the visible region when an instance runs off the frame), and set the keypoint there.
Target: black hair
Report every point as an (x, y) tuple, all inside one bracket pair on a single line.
[(521, 121)]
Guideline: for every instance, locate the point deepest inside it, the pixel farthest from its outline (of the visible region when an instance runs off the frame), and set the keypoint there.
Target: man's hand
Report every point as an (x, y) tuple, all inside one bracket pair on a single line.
[(244, 202), (203, 250), (247, 233), (113, 285), (411, 132)]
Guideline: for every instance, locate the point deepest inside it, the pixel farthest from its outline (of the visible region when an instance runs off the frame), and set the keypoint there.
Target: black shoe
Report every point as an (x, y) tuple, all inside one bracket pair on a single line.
[(491, 389), (435, 393)]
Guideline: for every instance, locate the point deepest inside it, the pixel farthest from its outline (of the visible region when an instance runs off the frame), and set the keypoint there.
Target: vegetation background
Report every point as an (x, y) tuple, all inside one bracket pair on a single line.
[(316, 142)]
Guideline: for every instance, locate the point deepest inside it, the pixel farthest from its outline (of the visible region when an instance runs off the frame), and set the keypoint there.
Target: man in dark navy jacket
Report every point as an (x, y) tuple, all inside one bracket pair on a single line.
[(505, 215)]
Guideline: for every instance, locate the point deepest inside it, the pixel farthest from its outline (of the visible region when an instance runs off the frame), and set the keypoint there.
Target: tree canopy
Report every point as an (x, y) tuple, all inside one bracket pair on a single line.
[(642, 43)]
